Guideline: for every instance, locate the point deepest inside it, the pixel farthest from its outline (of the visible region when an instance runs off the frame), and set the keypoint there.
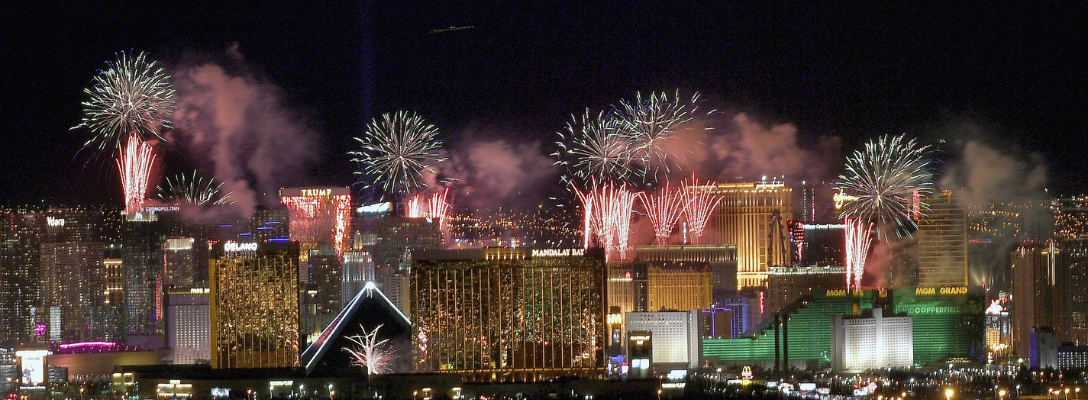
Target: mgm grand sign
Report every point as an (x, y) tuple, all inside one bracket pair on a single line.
[(942, 291)]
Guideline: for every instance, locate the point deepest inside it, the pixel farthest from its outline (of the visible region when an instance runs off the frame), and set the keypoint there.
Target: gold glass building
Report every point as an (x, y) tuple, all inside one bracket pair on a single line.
[(509, 315), (942, 243), (677, 287), (254, 305), (753, 216)]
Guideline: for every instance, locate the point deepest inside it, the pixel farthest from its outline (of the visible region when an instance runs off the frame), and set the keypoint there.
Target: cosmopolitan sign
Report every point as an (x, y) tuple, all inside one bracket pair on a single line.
[(235, 246), (558, 252)]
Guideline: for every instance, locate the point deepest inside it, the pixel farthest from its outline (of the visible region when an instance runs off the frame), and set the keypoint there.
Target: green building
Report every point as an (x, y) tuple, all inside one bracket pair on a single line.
[(947, 322)]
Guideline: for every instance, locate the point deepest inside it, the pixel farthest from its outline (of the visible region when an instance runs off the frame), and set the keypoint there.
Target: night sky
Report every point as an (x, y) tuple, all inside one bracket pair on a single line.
[(1015, 75)]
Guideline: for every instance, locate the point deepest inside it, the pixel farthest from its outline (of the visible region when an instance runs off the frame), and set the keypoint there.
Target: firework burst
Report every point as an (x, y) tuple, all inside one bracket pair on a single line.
[(396, 150), (193, 190), (884, 180), (134, 164), (133, 95), (375, 355), (593, 147), (699, 204), (438, 208), (664, 209), (857, 250), (416, 207), (652, 121)]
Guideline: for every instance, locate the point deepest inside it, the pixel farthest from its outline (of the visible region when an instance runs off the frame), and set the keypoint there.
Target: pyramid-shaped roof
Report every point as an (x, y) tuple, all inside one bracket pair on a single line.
[(369, 310)]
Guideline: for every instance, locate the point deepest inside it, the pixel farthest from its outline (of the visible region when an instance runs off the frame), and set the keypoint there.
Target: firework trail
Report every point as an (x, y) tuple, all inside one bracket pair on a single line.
[(192, 190), (134, 164), (857, 249), (396, 150), (594, 147), (438, 208), (375, 355), (416, 207), (699, 204), (134, 95), (650, 122), (884, 181), (664, 209), (608, 214)]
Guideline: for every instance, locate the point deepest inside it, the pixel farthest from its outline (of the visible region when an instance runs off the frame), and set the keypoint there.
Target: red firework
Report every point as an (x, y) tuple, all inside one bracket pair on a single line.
[(664, 209), (608, 216), (857, 249), (311, 218), (699, 203), (135, 163), (416, 207), (438, 208)]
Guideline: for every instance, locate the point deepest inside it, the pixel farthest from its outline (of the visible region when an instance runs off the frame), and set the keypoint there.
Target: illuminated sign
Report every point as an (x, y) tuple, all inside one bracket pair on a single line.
[(376, 208), (837, 293), (32, 364), (199, 291), (640, 339), (235, 246), (316, 192), (220, 392), (54, 221), (162, 209), (746, 373), (995, 307), (947, 290), (840, 198), (558, 252), (615, 319)]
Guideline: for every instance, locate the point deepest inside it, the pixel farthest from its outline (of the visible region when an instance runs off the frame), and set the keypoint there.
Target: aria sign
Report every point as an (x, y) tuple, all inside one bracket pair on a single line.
[(235, 246)]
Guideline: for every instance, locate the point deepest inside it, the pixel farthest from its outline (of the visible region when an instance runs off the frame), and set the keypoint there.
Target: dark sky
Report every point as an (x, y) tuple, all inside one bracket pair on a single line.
[(1017, 71)]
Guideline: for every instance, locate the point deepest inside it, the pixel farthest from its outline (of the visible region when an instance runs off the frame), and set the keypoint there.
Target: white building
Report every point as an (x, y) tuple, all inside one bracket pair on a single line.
[(863, 343), (675, 335), (188, 326)]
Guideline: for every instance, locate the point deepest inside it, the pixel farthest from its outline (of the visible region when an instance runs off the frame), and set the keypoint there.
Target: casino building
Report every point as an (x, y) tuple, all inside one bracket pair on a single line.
[(509, 315)]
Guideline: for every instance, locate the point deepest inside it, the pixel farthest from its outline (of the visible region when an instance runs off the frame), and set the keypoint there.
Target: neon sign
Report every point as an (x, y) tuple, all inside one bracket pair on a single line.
[(235, 246)]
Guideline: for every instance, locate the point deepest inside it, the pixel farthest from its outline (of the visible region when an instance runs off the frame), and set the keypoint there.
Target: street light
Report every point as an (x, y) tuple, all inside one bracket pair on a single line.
[(1066, 393), (1076, 393), (1001, 394), (948, 393)]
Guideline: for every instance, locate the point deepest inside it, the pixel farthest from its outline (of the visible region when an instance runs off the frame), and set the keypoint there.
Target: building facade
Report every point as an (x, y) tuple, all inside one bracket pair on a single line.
[(871, 342), (509, 314), (753, 217), (254, 302), (74, 283), (788, 284), (188, 326), (678, 287), (676, 336), (1039, 293), (942, 243)]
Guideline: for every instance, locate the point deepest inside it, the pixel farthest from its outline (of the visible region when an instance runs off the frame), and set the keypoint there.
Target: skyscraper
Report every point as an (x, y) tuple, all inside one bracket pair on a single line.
[(753, 216), (142, 249), (319, 216), (188, 326), (509, 314), (942, 243), (74, 283), (321, 291), (254, 296), (679, 287), (1039, 293)]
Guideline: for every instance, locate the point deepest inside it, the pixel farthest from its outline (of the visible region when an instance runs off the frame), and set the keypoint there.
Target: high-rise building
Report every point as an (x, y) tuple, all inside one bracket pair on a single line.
[(74, 282), (678, 287), (1070, 217), (788, 284), (180, 263), (721, 258), (319, 216), (254, 301), (1039, 293), (818, 244), (942, 243), (509, 314), (142, 246), (188, 326), (753, 217), (675, 337), (23, 230), (871, 342), (356, 270), (320, 301), (1073, 260)]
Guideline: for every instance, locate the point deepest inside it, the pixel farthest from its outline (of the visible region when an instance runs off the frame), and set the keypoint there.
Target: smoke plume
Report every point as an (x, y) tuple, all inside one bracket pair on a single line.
[(497, 173), (749, 150), (235, 125)]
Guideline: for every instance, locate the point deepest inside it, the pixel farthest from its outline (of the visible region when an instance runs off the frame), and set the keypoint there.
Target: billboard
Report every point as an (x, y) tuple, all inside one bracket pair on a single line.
[(32, 366)]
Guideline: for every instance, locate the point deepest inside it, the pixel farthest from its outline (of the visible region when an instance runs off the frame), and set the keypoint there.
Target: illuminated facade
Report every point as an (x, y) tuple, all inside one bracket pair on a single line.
[(509, 315), (942, 243), (675, 336), (678, 287), (1073, 260), (254, 300), (320, 300), (180, 262), (1070, 217), (871, 342), (788, 284), (948, 321), (753, 217), (721, 258), (142, 246), (188, 326), (1039, 293), (319, 216), (74, 283)]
